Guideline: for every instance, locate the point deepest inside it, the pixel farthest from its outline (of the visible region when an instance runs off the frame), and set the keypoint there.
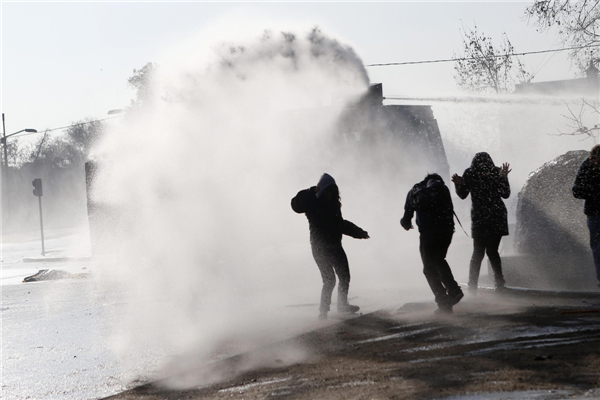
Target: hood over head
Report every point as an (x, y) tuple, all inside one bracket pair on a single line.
[(432, 178), (482, 162), (325, 181)]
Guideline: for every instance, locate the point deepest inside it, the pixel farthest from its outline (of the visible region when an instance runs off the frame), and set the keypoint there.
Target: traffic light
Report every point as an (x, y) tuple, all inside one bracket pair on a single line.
[(37, 184)]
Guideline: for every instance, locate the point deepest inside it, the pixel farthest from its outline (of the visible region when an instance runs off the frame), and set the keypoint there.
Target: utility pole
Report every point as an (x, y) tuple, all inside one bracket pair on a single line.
[(5, 181), (4, 174), (37, 191), (4, 142)]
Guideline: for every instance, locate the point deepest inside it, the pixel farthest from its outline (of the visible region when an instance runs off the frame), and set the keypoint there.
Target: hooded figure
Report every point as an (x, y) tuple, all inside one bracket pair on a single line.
[(587, 186), (431, 201), (322, 206), (488, 185)]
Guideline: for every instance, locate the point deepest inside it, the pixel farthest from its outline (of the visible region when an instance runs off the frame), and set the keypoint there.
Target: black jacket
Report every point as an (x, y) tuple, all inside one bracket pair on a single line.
[(488, 212), (440, 219), (324, 219), (587, 186)]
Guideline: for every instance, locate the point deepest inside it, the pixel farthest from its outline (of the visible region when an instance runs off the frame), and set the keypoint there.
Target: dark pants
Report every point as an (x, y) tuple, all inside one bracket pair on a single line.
[(593, 222), (481, 246), (331, 260), (434, 247)]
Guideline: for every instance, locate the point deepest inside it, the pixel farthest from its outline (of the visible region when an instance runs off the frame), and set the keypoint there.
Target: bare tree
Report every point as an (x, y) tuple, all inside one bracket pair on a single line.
[(141, 81), (577, 22), (576, 125), (71, 148), (482, 67), (83, 135)]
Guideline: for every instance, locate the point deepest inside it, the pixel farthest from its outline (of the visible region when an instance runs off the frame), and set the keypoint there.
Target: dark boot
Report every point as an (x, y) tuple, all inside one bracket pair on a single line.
[(455, 296), (348, 309)]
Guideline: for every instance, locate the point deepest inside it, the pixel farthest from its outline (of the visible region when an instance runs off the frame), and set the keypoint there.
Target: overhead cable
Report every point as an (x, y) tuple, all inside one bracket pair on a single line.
[(68, 126), (479, 58)]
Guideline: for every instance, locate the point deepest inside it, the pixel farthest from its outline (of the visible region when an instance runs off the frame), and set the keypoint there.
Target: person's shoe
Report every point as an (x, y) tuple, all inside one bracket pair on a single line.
[(500, 288), (348, 309), (443, 310), (323, 315), (455, 297)]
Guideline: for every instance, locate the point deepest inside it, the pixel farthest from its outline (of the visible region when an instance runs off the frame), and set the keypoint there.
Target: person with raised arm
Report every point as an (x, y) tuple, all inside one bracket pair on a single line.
[(488, 185), (322, 206)]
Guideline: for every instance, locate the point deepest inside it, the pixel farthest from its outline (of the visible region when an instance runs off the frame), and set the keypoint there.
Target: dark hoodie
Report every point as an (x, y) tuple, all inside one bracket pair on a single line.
[(587, 186), (487, 188), (436, 220), (324, 218)]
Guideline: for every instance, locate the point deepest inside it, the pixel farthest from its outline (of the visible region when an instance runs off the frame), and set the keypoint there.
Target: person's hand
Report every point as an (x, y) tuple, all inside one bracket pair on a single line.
[(407, 225), (504, 170), (457, 179)]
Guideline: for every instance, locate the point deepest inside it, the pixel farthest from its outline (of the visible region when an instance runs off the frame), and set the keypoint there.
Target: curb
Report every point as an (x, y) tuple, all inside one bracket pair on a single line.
[(55, 259)]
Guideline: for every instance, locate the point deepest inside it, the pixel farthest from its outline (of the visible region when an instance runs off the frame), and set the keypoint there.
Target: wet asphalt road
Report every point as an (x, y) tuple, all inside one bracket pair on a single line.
[(514, 346), (56, 345)]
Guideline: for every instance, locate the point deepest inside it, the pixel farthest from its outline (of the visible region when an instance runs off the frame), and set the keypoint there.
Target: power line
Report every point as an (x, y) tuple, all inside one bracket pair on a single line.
[(479, 58), (68, 126)]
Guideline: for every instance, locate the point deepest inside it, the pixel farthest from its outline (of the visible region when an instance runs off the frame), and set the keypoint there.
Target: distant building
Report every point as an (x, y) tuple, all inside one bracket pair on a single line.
[(588, 86)]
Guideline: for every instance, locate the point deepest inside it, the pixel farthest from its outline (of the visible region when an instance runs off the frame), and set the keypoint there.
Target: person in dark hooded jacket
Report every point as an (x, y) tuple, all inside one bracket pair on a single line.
[(431, 200), (587, 186), (322, 206), (488, 185)]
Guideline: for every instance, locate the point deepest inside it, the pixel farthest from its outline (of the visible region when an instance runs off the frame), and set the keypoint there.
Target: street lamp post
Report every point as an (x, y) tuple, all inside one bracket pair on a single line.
[(3, 141), (5, 136)]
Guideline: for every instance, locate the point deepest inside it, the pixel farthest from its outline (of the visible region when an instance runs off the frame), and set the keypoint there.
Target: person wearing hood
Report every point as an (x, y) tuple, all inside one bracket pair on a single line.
[(322, 206), (587, 186), (431, 201), (488, 185)]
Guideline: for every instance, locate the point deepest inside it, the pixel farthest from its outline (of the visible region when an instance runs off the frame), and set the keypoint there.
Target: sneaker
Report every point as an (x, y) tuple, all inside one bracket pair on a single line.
[(348, 309), (323, 316), (443, 310), (455, 297), (500, 288)]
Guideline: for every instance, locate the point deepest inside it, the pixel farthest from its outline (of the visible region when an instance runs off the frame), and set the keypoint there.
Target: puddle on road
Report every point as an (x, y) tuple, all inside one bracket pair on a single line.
[(253, 384), (399, 335)]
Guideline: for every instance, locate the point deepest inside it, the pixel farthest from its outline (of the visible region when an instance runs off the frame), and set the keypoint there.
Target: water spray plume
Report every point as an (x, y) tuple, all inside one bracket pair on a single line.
[(202, 174)]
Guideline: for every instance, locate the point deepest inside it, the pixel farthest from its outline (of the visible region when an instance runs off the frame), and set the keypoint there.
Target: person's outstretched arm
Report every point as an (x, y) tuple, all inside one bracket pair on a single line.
[(504, 186), (462, 190), (348, 228)]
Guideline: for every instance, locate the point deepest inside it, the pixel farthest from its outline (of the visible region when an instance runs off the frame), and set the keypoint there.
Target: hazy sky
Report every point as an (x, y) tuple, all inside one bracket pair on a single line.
[(62, 62)]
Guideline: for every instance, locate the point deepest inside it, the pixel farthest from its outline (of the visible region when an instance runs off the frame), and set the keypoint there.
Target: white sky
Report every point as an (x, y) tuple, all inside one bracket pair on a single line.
[(62, 62)]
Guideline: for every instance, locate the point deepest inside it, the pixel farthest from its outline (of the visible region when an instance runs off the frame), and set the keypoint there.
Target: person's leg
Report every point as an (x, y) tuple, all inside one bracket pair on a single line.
[(327, 274), (491, 247), (428, 248), (476, 259), (594, 227), (445, 272), (342, 270)]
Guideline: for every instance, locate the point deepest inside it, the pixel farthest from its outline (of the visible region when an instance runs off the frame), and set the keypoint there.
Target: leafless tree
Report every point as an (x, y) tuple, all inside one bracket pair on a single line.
[(577, 22), (482, 67), (141, 82), (576, 125)]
